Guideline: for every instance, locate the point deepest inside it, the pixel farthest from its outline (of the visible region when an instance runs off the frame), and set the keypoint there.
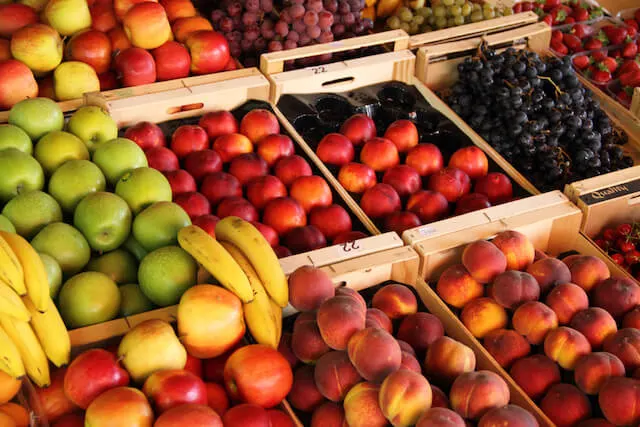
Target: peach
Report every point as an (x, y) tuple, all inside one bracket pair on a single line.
[(428, 205), (335, 149), (237, 206), (406, 347), (404, 179), (379, 201), (440, 417), (506, 346), (619, 399), (335, 375), (549, 272), (274, 147), (338, 319), (231, 145), (594, 369), (291, 167), (595, 422), (304, 239), (401, 221), (278, 418), (471, 160), (328, 415), (566, 300), (404, 134), (513, 288), (587, 271), (283, 215), (534, 320), (484, 261), (565, 346), (380, 154), (374, 353), (420, 330), (446, 182), (440, 399), (304, 394), (404, 397), (246, 415), (616, 295), (475, 393), (626, 345), (284, 347), (595, 324), (457, 287), (636, 374), (377, 319), (247, 166), (395, 300), (361, 407), (510, 415), (535, 375), (483, 315), (425, 158), (306, 341), (447, 359), (311, 192), (632, 319), (353, 294), (516, 247), (565, 405), (356, 177), (309, 287), (184, 27), (331, 220), (359, 128), (410, 362)]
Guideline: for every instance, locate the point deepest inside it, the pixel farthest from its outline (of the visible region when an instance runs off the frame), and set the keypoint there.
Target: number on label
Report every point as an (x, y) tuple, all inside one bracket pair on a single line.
[(350, 246)]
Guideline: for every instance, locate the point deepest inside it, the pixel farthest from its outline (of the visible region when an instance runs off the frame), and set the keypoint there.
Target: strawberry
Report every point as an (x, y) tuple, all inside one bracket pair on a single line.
[(625, 95), (572, 42), (580, 14), (629, 65), (601, 74), (548, 19), (581, 62), (632, 31), (556, 36), (636, 15), (517, 8), (528, 6), (580, 30), (602, 36), (550, 4), (558, 15), (593, 44), (630, 49), (569, 20), (610, 64), (631, 78), (616, 35), (596, 13), (560, 48), (632, 23)]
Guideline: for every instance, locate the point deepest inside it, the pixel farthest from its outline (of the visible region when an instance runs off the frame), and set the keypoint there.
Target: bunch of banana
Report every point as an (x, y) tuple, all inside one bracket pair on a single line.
[(32, 332), (243, 262)]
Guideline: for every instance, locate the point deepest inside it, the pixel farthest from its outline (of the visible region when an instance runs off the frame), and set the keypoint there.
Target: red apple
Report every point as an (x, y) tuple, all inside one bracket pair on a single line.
[(147, 26), (180, 181), (53, 402), (283, 215), (248, 166), (268, 232), (246, 415), (135, 66), (190, 414), (121, 7), (359, 128), (220, 185), (201, 163), (404, 134), (103, 17), (209, 52), (258, 123), (430, 206), (172, 61), (217, 123), (169, 388), (16, 83), (289, 168), (184, 27), (213, 369), (91, 47), (69, 420), (194, 204), (45, 87), (274, 147), (231, 145), (119, 40), (404, 179), (194, 365), (103, 370), (357, 177), (401, 221), (14, 16), (279, 419), (120, 406), (335, 149), (237, 206), (208, 224), (5, 51), (187, 139), (264, 188), (425, 158), (471, 160), (446, 183), (162, 159), (146, 135), (258, 374), (496, 186), (177, 9), (472, 202), (108, 81), (217, 398), (330, 220)]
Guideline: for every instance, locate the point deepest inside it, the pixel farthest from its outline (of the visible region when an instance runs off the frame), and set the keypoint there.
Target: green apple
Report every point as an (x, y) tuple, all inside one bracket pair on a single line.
[(133, 300), (104, 219), (19, 173), (54, 274), (88, 298), (31, 212), (74, 180), (135, 248), (57, 147), (93, 125), (72, 79), (13, 136), (158, 225), (68, 16), (65, 244), (120, 265), (6, 225), (165, 274), (142, 187), (37, 117), (117, 157)]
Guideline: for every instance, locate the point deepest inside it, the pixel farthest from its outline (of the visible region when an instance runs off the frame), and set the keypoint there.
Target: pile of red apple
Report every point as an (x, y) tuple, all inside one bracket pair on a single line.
[(402, 183), (549, 320), (387, 364), (111, 43), (212, 165)]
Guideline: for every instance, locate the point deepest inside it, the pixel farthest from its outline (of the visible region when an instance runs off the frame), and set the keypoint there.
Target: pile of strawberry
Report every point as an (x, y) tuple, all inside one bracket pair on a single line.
[(635, 20), (622, 243), (560, 12), (581, 37)]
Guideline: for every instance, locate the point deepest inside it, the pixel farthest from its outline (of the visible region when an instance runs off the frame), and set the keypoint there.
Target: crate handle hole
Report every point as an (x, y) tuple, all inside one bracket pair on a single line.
[(634, 200), (186, 107), (338, 81)]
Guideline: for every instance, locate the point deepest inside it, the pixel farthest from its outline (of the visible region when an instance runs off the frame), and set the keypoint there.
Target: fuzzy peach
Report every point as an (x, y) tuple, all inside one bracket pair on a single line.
[(483, 315), (328, 415), (457, 287), (447, 359), (534, 320), (619, 399), (306, 342), (374, 353), (361, 407), (566, 346), (377, 319), (626, 345), (345, 291), (440, 399), (420, 330), (595, 324), (616, 295), (440, 417), (516, 247), (632, 319), (309, 287), (335, 375), (566, 300), (549, 272), (506, 346), (484, 261), (409, 362), (587, 271), (513, 288), (565, 405), (304, 394), (535, 374), (592, 370), (475, 393), (404, 397), (510, 415), (395, 300)]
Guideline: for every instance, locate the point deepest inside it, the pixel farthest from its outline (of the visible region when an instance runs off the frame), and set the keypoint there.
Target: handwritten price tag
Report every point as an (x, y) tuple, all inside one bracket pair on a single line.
[(319, 70)]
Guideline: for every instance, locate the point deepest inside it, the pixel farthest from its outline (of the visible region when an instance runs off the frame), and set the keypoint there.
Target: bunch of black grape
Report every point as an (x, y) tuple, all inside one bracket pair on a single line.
[(535, 112)]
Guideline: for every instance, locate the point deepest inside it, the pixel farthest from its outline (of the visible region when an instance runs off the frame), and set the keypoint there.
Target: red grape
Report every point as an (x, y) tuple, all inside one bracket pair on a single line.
[(348, 18), (310, 18), (251, 32), (314, 5), (325, 20), (275, 46), (260, 44), (331, 5), (217, 15), (286, 16), (235, 35), (299, 26), (281, 28), (290, 44), (338, 29), (252, 5), (226, 25), (344, 8), (249, 18), (293, 35), (246, 45), (234, 9), (268, 33), (326, 37), (266, 5), (313, 31), (304, 39), (296, 11)]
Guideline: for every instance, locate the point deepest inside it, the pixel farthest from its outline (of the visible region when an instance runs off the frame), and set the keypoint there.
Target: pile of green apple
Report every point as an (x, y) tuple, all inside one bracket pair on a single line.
[(101, 219)]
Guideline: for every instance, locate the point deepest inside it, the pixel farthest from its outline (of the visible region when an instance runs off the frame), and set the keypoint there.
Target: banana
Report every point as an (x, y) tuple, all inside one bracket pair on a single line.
[(256, 248), (10, 359), (258, 313), (11, 271), (35, 275), (51, 332), (277, 313), (12, 305), (216, 260), (33, 357)]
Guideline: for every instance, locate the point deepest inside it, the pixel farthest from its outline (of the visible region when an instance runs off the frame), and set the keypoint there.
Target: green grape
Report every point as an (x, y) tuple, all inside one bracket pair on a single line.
[(506, 11), (450, 22), (439, 11), (405, 26), (417, 19), (393, 22), (476, 7), (487, 6), (426, 28), (498, 13), (405, 14), (458, 20), (432, 20), (455, 10), (465, 10), (460, 2), (476, 16), (416, 4), (441, 22), (448, 2), (425, 12), (414, 28), (489, 14)]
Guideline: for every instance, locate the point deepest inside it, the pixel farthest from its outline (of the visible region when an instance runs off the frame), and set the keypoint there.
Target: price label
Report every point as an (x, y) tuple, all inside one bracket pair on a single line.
[(426, 231), (319, 70), (349, 247)]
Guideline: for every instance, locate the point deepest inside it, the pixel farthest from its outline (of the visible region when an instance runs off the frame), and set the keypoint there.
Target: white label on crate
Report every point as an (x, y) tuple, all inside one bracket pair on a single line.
[(319, 70), (426, 231)]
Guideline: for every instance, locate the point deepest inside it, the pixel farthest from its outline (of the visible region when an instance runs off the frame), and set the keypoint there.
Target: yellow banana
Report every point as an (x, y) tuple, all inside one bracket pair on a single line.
[(277, 313), (257, 314), (33, 357), (35, 275), (12, 305), (256, 248), (216, 260), (10, 359), (11, 271), (51, 332)]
